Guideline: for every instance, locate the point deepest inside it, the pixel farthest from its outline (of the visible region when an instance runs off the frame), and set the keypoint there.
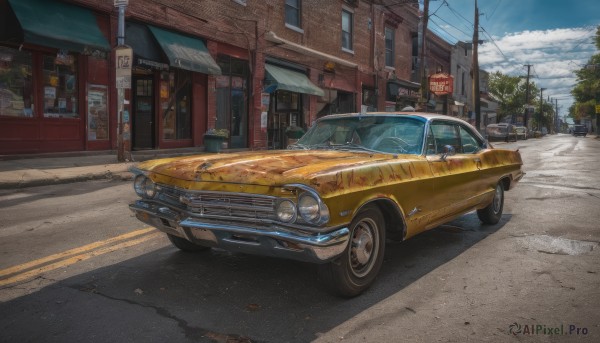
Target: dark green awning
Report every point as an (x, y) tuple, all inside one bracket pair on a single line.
[(185, 52), (284, 79), (59, 25)]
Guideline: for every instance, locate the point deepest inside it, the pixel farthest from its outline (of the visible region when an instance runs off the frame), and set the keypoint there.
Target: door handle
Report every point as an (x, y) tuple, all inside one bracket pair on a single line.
[(477, 162)]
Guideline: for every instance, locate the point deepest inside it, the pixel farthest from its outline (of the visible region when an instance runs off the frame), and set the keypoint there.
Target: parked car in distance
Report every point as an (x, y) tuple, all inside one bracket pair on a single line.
[(501, 132), (521, 132), (579, 130), (349, 184)]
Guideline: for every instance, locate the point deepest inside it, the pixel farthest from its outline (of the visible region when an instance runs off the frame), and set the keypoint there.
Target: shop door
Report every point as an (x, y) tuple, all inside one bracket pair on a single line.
[(143, 114)]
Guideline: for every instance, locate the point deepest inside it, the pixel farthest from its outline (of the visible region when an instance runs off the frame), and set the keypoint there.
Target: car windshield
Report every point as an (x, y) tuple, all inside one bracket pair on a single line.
[(387, 134)]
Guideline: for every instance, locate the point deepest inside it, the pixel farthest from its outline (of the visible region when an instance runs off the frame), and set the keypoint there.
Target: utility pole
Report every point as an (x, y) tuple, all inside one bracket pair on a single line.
[(422, 69), (557, 122), (526, 115), (123, 61), (541, 108), (476, 98)]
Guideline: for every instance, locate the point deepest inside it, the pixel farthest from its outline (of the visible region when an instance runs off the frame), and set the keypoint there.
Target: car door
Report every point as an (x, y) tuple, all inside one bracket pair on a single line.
[(453, 155)]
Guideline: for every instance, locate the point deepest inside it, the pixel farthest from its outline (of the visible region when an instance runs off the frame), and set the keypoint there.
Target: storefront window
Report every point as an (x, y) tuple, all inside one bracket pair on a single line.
[(287, 101), (97, 99), (16, 93), (175, 96), (369, 99), (232, 99), (60, 86)]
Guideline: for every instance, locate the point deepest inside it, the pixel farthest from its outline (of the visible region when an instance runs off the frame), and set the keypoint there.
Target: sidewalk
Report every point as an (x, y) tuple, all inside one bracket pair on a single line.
[(48, 169)]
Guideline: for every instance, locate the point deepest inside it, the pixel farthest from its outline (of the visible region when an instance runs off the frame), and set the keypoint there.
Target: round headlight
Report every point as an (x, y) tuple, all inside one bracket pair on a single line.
[(150, 188), (138, 185), (308, 207), (144, 187), (286, 211)]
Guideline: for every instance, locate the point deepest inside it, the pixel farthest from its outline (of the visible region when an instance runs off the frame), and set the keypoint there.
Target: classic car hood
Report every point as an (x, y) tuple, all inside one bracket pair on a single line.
[(272, 168)]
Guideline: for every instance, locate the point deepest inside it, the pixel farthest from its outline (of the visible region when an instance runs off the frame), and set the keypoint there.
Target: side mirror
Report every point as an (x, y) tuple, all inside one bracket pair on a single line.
[(448, 151)]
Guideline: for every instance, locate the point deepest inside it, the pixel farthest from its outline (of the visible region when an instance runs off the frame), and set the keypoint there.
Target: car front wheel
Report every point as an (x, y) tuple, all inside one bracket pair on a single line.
[(493, 212), (355, 270), (185, 245)]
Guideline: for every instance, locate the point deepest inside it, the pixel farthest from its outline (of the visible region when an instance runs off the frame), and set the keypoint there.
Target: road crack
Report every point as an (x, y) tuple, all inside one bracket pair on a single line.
[(190, 332)]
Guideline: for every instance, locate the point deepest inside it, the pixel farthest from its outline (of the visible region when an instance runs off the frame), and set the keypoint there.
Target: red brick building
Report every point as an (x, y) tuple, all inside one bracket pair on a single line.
[(253, 68)]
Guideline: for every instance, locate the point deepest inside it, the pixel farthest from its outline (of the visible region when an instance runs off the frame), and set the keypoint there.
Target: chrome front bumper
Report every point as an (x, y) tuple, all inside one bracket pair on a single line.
[(240, 237)]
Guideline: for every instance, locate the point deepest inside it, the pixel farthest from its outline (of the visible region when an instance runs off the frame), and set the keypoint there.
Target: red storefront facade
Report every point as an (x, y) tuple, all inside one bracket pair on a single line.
[(43, 88), (227, 73)]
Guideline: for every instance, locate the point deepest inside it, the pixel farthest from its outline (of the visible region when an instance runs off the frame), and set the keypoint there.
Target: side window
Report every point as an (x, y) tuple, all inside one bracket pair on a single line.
[(431, 147), (470, 144), (442, 134)]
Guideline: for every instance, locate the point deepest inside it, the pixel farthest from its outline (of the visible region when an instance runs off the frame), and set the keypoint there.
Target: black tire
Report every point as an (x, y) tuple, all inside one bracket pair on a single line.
[(493, 212), (355, 270), (185, 245)]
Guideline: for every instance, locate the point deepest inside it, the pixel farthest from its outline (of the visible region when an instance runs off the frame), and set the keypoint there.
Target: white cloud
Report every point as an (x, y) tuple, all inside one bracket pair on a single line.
[(555, 55)]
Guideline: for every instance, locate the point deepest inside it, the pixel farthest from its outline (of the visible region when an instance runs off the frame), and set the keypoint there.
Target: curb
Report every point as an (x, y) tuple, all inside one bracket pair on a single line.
[(107, 175)]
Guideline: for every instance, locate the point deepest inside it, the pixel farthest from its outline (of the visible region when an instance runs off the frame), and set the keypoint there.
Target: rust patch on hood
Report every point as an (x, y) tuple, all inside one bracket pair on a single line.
[(327, 171)]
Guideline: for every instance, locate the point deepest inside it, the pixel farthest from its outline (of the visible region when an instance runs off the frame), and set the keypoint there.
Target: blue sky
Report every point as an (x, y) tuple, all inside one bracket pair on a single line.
[(555, 36)]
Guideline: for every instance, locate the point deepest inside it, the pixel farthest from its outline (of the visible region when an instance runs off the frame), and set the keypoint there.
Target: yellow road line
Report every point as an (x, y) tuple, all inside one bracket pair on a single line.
[(35, 263), (74, 259)]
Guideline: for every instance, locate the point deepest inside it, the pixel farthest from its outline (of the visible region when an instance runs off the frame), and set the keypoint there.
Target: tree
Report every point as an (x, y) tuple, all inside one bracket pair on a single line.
[(509, 93), (587, 90)]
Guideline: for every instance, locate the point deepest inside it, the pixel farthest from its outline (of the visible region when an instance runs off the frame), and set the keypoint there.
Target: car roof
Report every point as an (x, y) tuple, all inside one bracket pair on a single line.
[(421, 116), (416, 115)]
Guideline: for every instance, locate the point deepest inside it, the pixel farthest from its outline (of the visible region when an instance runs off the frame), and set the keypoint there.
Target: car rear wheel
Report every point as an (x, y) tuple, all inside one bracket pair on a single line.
[(185, 245), (493, 212), (355, 270)]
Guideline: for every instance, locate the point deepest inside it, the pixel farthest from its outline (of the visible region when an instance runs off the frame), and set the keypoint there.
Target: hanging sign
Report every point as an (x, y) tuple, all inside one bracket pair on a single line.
[(441, 84)]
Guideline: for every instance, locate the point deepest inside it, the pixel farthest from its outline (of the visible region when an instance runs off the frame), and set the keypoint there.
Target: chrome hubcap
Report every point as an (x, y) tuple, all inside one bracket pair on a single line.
[(363, 247), (497, 199)]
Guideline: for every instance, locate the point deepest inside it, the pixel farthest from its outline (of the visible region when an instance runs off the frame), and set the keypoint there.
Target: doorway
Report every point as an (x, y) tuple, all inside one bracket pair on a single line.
[(143, 126)]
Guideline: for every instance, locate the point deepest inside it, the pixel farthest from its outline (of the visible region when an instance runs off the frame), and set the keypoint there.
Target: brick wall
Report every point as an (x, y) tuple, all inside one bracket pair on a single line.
[(232, 28)]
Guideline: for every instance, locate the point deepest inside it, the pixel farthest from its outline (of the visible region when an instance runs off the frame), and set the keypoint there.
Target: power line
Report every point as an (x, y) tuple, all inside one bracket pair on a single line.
[(457, 29), (459, 16), (493, 11), (444, 31), (442, 4)]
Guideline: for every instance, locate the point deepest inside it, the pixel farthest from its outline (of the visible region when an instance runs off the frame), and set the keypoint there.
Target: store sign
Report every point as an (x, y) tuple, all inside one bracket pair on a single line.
[(441, 84), (152, 64), (407, 92), (124, 62)]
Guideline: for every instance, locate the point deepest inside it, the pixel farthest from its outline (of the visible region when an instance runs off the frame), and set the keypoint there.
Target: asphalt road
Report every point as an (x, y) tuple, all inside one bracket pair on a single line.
[(76, 266)]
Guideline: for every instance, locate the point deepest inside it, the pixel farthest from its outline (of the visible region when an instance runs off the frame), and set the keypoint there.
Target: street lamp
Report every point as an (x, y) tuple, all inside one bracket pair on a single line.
[(541, 109)]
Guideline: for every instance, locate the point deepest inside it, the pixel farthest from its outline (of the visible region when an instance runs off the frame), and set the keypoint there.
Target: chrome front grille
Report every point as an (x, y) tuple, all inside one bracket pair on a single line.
[(220, 204)]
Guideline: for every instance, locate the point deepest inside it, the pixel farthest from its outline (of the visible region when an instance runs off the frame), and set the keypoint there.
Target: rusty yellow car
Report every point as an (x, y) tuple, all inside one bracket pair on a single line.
[(333, 198)]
